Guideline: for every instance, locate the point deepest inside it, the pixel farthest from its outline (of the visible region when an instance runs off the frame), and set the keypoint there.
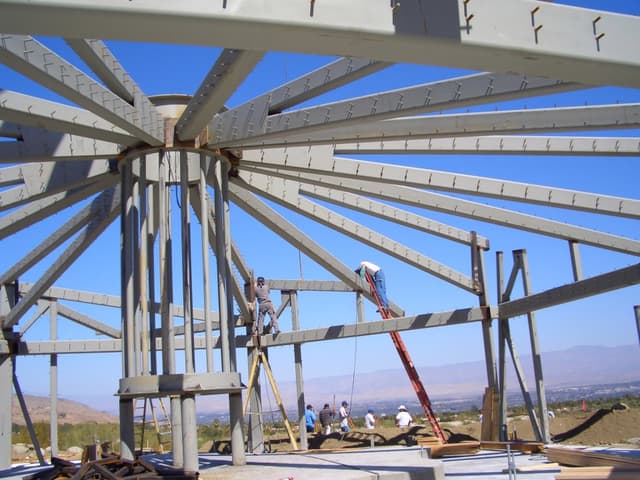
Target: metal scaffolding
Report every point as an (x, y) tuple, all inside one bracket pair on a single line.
[(107, 153)]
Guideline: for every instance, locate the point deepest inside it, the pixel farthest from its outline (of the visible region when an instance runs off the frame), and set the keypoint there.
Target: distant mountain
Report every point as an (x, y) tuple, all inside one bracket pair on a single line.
[(567, 372), (69, 411), (577, 366)]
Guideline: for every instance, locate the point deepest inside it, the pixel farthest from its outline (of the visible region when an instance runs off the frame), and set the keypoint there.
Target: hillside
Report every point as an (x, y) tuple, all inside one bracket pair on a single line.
[(566, 369), (68, 412)]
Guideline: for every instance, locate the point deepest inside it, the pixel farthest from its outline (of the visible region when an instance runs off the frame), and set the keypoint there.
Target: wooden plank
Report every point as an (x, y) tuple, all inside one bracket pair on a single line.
[(543, 467), (462, 448), (524, 447), (598, 473), (585, 458)]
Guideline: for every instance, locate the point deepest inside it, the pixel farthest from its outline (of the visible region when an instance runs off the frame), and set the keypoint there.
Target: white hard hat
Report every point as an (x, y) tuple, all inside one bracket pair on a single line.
[(402, 407)]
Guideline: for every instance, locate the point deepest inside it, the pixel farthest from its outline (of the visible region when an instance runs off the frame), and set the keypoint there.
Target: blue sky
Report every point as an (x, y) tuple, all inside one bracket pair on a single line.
[(602, 320)]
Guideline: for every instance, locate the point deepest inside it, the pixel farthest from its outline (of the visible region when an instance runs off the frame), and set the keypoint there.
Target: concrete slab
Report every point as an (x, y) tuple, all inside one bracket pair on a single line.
[(376, 463)]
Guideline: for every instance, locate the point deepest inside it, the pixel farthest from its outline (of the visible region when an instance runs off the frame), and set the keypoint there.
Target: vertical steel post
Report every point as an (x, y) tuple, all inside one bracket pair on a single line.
[(53, 380), (535, 352), (256, 424), (636, 309), (166, 298), (480, 280), (137, 274), (206, 274), (225, 304), (502, 358), (188, 403), (127, 437), (576, 263), (151, 231), (297, 355), (225, 354), (143, 268), (359, 307), (7, 300), (187, 292)]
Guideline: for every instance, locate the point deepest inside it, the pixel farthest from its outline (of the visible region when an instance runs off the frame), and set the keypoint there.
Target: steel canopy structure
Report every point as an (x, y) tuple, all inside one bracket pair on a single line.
[(111, 155)]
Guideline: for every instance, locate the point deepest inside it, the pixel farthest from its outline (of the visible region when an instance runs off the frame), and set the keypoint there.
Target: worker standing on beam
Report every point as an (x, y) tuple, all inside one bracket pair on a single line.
[(378, 278), (265, 305)]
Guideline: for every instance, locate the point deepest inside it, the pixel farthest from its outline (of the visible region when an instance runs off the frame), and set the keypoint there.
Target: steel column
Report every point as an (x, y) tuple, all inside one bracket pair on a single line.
[(7, 300), (535, 352), (143, 267), (636, 309), (127, 437), (576, 264), (188, 402), (53, 380), (297, 358), (206, 275), (502, 358)]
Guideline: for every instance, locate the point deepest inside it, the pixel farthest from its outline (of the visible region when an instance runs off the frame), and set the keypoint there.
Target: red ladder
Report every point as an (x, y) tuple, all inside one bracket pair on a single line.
[(408, 365)]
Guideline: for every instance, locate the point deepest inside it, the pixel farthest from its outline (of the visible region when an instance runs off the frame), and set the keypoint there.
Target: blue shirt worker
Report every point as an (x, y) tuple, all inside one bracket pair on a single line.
[(310, 419), (265, 305), (378, 279)]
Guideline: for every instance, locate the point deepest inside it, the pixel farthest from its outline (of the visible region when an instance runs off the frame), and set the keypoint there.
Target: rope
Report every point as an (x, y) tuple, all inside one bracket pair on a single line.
[(353, 375)]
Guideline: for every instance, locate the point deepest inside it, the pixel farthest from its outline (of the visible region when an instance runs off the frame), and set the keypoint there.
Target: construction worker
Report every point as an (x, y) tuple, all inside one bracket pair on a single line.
[(265, 305), (326, 416), (310, 419), (378, 278), (343, 413)]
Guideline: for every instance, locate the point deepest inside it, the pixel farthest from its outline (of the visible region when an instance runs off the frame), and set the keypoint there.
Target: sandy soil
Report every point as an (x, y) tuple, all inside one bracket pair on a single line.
[(612, 428)]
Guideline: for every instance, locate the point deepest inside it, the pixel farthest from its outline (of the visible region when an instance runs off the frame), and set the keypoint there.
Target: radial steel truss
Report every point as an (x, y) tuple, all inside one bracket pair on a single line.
[(107, 154)]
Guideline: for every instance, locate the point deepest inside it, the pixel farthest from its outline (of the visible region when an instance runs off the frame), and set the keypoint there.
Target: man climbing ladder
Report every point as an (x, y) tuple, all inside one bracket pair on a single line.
[(378, 290)]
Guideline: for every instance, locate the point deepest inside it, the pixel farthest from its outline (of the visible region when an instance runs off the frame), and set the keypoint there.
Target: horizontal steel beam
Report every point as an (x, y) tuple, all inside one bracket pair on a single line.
[(499, 145), (230, 70), (525, 36), (57, 117), (473, 210), (26, 55), (318, 160), (231, 127), (606, 282), (286, 193), (542, 120), (376, 327)]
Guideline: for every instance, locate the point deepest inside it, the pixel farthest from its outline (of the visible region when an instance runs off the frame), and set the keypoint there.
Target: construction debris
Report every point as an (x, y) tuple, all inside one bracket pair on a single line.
[(111, 468)]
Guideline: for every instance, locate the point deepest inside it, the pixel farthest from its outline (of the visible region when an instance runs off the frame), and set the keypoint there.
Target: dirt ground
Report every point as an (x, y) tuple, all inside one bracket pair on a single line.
[(620, 428), (610, 427)]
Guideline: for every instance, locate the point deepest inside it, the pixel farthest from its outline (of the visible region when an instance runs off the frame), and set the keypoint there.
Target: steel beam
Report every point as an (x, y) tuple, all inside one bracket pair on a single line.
[(100, 59), (405, 218), (285, 193), (606, 282), (542, 120), (49, 244), (26, 55), (45, 179), (375, 327), (499, 145), (105, 214), (37, 210), (87, 321), (298, 239), (316, 160), (474, 210), (459, 92), (38, 145), (230, 70), (10, 176), (499, 35), (57, 117)]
